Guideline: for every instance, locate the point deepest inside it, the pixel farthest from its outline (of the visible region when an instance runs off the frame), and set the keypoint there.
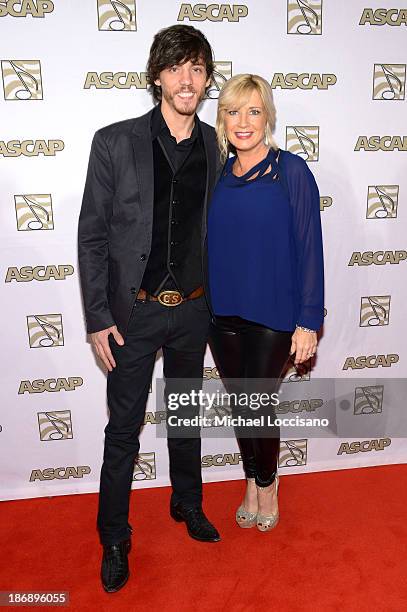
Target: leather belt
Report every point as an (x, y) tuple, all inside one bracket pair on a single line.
[(169, 297)]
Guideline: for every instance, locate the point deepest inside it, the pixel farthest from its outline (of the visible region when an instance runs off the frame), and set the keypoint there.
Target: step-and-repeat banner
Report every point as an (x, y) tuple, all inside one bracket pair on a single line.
[(69, 67)]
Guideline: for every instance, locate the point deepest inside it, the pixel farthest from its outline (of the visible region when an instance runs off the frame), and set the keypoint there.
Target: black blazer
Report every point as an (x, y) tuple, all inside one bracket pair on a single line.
[(115, 222)]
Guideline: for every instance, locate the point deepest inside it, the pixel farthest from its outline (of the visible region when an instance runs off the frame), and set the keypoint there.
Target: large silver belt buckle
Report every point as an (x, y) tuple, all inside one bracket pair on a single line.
[(169, 298)]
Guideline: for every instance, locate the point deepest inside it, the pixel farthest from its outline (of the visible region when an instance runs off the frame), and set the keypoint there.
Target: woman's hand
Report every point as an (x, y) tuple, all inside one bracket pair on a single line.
[(303, 344)]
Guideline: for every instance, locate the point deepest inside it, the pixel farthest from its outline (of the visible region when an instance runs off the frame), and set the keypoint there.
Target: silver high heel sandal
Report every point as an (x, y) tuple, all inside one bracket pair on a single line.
[(266, 523), (244, 518)]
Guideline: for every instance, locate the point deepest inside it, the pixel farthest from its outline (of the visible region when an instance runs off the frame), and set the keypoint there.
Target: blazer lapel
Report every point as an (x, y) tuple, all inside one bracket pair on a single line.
[(211, 153), (143, 155)]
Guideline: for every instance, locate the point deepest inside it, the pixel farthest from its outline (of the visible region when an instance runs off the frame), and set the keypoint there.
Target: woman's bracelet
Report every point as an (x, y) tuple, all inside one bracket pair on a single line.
[(313, 331)]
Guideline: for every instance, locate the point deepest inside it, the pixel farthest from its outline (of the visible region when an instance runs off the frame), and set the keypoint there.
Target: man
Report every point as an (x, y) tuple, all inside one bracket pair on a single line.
[(142, 231)]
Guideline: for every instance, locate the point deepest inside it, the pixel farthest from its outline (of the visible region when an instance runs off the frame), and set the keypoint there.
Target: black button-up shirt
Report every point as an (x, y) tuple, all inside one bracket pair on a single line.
[(176, 152)]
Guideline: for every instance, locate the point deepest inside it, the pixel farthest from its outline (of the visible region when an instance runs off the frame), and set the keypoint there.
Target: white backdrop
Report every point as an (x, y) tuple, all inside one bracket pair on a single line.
[(53, 55)]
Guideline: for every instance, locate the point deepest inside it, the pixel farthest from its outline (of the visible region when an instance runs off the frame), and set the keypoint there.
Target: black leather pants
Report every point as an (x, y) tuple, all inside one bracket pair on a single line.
[(245, 350)]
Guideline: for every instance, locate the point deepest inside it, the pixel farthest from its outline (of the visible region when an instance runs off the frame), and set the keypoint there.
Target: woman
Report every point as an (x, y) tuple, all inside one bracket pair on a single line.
[(266, 277)]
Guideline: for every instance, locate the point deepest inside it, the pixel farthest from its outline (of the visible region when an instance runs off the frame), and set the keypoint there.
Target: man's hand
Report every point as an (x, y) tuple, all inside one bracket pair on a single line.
[(100, 341), (303, 344)]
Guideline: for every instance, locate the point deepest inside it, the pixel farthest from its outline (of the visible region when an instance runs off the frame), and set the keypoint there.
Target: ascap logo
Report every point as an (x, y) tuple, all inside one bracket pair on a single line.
[(212, 12), (22, 8), (382, 201), (120, 80), (22, 79), (292, 453), (370, 361), (34, 212), (117, 15), (304, 16), (155, 418), (325, 202), (209, 373), (221, 460), (365, 446), (52, 385), (389, 81), (301, 372), (296, 406), (39, 273), (61, 473), (222, 72), (381, 143), (45, 330), (305, 80), (303, 141), (30, 148), (56, 425), (374, 310), (368, 400), (145, 467), (379, 258), (381, 16)]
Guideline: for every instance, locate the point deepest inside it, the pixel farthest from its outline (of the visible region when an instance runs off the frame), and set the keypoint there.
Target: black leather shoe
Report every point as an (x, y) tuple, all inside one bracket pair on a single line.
[(115, 565), (198, 525)]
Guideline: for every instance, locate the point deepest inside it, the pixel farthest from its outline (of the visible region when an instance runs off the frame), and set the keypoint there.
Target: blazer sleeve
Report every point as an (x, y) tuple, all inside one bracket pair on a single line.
[(93, 232), (307, 233)]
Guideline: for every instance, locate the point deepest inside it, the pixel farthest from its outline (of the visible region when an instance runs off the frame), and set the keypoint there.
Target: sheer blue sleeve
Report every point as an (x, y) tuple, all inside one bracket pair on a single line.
[(307, 234)]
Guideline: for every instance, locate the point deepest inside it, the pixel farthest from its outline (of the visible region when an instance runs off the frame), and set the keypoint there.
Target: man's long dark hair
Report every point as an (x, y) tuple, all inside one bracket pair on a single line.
[(176, 45)]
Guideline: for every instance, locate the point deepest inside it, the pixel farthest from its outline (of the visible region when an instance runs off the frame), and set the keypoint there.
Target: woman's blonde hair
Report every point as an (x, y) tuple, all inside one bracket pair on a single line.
[(234, 94)]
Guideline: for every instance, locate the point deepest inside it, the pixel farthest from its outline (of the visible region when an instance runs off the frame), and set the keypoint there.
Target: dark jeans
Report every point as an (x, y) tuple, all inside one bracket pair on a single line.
[(246, 350), (181, 331)]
